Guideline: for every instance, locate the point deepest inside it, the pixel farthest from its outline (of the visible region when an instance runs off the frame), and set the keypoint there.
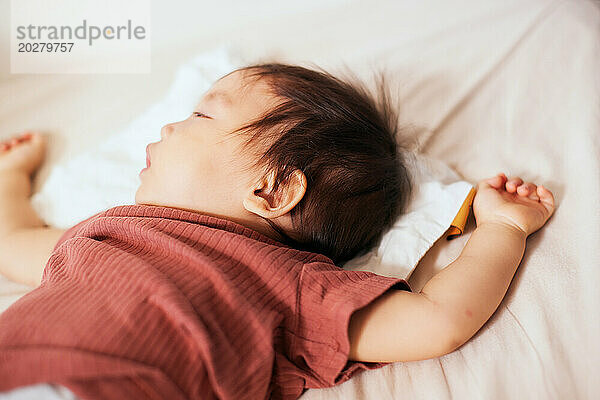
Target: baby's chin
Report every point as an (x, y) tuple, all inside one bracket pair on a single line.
[(146, 199), (138, 196)]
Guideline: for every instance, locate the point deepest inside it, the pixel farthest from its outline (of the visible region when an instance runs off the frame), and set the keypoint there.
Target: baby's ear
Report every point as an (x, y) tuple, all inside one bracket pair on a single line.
[(268, 203)]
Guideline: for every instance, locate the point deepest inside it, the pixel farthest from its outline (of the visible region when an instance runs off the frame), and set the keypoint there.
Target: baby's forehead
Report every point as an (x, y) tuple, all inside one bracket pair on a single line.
[(219, 96), (236, 89)]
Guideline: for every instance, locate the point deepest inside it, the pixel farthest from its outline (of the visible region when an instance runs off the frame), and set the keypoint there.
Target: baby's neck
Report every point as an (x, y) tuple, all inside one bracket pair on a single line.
[(263, 227), (259, 225)]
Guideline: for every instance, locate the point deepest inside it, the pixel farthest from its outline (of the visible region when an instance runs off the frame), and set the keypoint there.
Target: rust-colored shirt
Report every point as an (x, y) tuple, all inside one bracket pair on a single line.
[(149, 302)]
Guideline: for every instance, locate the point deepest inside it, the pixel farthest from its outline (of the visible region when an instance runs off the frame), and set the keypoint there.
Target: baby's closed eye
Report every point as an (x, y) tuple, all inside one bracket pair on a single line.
[(199, 114)]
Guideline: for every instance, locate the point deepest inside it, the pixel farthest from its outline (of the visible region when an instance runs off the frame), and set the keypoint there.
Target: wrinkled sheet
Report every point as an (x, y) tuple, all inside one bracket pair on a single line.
[(486, 87)]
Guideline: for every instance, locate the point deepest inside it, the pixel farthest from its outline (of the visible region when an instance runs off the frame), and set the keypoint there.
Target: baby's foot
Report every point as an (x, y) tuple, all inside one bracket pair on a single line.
[(22, 154)]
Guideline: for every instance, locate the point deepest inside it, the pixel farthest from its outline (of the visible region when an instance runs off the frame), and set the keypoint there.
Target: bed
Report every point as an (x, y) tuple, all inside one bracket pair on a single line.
[(484, 86)]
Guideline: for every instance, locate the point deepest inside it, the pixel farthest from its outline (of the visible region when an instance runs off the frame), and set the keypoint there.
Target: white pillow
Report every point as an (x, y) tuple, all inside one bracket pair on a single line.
[(108, 176)]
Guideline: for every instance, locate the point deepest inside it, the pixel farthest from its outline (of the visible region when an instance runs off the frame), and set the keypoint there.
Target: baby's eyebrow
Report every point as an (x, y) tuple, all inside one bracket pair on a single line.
[(221, 97)]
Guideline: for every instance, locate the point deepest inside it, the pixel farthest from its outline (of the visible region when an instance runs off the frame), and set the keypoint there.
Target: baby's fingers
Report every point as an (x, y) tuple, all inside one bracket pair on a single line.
[(513, 184), (497, 181), (546, 198), (528, 189)]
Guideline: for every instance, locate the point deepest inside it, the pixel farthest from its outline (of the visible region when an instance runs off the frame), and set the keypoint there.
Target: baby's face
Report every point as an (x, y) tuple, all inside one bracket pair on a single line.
[(195, 165)]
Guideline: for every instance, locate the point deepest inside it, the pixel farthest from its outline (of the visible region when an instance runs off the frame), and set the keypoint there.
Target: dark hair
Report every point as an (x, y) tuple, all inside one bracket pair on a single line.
[(345, 143)]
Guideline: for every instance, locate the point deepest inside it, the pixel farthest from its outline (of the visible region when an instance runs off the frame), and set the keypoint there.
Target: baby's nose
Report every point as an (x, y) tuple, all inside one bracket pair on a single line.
[(166, 130)]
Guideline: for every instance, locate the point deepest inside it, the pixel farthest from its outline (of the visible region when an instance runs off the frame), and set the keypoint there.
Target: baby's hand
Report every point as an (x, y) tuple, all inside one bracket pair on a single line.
[(22, 153), (512, 202)]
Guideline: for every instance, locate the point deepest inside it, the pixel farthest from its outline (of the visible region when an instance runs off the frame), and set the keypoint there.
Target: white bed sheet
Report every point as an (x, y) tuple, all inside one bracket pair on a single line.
[(489, 86)]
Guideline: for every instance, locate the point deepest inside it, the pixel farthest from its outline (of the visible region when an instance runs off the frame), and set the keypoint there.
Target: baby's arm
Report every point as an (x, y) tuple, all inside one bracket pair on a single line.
[(400, 326), (449, 310), (472, 287), (25, 241), (25, 252), (456, 302)]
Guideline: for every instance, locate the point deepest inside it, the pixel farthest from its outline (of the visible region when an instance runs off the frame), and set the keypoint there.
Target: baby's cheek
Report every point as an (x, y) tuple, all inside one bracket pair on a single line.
[(207, 170), (220, 167)]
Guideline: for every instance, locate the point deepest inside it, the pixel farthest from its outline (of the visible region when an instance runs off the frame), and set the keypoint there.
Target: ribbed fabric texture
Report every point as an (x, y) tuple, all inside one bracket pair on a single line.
[(149, 302)]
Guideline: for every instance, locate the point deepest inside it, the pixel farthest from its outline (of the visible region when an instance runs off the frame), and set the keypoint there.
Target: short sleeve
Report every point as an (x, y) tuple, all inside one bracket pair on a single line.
[(72, 231), (327, 297)]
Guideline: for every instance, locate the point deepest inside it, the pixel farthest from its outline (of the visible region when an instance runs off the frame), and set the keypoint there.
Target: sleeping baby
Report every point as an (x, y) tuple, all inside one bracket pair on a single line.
[(222, 281)]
